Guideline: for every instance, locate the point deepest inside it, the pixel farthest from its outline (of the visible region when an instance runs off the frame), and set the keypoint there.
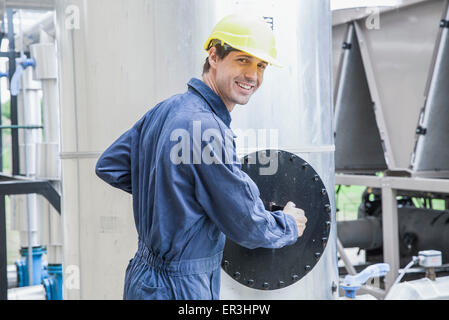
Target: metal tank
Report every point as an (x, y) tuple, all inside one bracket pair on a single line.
[(116, 66), (292, 112)]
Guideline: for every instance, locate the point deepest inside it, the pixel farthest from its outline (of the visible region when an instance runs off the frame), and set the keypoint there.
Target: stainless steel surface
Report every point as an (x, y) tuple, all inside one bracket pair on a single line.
[(432, 148), (398, 183), (363, 11), (357, 140), (399, 55), (27, 293), (104, 94), (397, 58), (300, 110), (358, 180), (376, 98), (338, 37), (113, 68)]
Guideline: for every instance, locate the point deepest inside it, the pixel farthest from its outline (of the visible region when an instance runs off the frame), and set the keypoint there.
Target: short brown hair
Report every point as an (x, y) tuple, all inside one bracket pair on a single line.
[(222, 52)]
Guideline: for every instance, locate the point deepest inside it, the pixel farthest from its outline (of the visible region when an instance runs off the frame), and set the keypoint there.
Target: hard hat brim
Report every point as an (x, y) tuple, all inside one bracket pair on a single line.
[(252, 52)]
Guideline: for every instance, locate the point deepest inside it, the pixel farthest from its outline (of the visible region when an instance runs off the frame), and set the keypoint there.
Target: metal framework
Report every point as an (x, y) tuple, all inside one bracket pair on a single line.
[(15, 184), (390, 186), (381, 84)]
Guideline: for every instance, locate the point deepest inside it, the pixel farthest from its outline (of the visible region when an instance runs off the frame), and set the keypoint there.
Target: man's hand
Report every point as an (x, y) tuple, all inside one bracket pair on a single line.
[(298, 215)]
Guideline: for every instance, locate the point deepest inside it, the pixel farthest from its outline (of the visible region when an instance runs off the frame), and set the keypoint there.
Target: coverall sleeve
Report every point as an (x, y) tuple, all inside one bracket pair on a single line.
[(231, 200), (114, 165)]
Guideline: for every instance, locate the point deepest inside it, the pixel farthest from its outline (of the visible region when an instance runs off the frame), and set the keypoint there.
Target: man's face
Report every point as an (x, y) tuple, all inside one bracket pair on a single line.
[(238, 76)]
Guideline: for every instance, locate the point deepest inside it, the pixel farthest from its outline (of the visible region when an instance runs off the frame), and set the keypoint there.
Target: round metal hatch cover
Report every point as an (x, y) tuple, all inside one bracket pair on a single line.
[(294, 180)]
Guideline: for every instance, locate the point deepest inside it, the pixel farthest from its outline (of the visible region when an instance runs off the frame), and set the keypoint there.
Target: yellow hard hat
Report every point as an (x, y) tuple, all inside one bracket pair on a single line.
[(249, 34)]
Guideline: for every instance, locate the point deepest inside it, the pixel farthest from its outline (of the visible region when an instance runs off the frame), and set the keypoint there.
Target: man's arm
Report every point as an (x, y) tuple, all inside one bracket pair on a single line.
[(231, 200), (114, 165)]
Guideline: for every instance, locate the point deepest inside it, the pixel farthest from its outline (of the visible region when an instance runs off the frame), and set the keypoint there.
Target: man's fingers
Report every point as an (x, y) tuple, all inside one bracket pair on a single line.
[(301, 228), (298, 215), (301, 219), (289, 205)]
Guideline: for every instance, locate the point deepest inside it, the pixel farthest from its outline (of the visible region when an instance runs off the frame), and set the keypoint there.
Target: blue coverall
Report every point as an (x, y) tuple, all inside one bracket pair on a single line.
[(184, 209)]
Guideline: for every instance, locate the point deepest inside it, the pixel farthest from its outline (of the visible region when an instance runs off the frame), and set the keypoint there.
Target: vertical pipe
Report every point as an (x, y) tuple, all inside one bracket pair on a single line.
[(3, 244), (3, 252), (14, 115), (390, 233), (348, 265), (48, 163), (26, 134)]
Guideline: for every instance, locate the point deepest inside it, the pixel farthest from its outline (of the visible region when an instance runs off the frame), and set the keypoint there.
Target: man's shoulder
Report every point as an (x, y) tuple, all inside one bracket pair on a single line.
[(190, 119), (188, 108)]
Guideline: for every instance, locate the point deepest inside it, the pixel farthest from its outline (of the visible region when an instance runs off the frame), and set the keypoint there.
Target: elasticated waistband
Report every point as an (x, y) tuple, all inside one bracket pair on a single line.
[(181, 267)]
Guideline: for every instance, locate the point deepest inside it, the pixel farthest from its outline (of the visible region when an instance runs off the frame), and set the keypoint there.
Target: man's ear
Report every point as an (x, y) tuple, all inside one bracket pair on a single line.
[(213, 57)]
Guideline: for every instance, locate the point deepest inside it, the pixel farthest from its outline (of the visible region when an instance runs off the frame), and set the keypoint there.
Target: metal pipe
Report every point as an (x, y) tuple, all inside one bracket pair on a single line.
[(348, 265), (12, 276), (419, 229), (365, 233), (48, 162), (14, 115), (28, 293), (3, 251), (21, 127), (30, 4), (3, 246), (26, 135), (32, 34)]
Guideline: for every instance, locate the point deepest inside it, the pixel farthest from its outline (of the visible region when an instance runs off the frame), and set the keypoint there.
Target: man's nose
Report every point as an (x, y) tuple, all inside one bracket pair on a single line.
[(251, 73)]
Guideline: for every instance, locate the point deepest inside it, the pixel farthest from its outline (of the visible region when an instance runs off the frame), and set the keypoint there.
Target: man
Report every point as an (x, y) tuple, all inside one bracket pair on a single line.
[(184, 205)]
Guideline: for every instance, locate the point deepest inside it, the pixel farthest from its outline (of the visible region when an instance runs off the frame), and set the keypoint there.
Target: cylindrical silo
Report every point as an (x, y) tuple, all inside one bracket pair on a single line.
[(292, 111)]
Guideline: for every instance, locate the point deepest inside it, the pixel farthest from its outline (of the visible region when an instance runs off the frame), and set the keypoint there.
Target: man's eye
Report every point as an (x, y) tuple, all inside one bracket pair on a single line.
[(262, 66), (244, 60)]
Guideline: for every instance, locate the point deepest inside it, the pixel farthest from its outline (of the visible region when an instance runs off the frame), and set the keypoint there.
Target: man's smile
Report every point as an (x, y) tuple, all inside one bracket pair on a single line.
[(247, 88)]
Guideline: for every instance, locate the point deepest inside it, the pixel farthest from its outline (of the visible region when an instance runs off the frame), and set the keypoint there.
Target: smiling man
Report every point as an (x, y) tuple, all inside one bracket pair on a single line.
[(234, 79), (183, 210)]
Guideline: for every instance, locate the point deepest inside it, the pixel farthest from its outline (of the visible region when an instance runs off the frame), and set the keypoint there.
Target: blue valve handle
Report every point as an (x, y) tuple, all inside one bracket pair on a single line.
[(352, 283), (22, 64)]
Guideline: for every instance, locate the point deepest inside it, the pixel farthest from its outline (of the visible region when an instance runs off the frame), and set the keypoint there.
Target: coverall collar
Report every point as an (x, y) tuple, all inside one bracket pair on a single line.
[(212, 99)]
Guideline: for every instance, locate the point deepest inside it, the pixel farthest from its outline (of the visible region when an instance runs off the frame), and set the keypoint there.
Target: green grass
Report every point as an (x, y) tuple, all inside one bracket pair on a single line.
[(348, 201)]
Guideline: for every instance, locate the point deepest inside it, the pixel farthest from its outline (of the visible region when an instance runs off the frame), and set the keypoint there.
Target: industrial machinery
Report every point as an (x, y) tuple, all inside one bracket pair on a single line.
[(390, 96), (34, 182)]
